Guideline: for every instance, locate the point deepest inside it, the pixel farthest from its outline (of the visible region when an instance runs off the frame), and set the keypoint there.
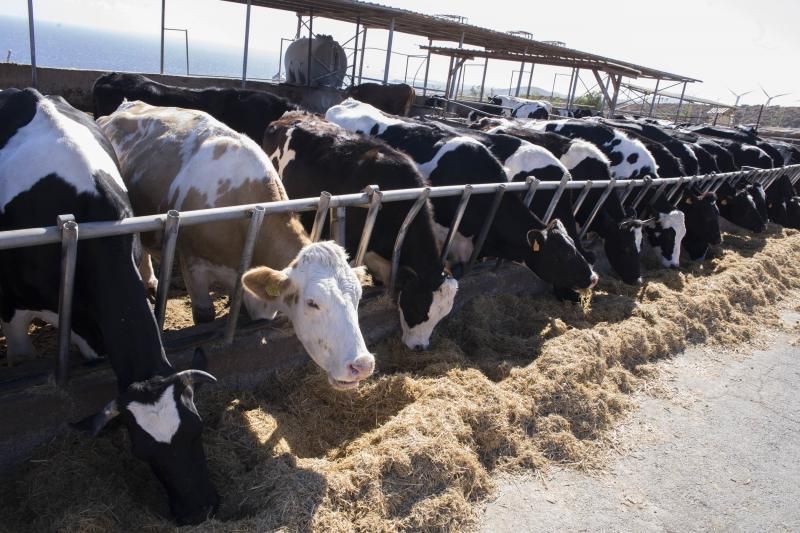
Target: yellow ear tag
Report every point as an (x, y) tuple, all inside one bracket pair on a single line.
[(689, 200), (724, 202), (273, 291), (535, 246)]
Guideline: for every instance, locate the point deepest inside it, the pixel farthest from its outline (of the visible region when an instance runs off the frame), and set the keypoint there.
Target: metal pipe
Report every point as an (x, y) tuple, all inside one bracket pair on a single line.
[(680, 103), (163, 14), (256, 218), (487, 224), (32, 37), (627, 191), (401, 235), (648, 182), (530, 78), (655, 95), (581, 197), (672, 196), (169, 240), (375, 199), (533, 184), (612, 107), (355, 52), (363, 53), (388, 53), (320, 216), (69, 255), (310, 42), (596, 209), (569, 87), (483, 78), (574, 89), (246, 45), (338, 225), (519, 78), (556, 197), (459, 214), (427, 69), (658, 193)]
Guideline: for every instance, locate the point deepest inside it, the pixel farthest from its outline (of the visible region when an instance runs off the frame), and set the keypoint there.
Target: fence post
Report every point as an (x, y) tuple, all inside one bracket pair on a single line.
[(69, 254), (659, 192), (498, 197), (462, 206), (581, 197), (170, 238), (557, 196), (597, 207), (375, 199), (256, 218), (626, 192), (648, 182), (320, 216), (533, 184), (671, 194), (401, 235), (338, 225)]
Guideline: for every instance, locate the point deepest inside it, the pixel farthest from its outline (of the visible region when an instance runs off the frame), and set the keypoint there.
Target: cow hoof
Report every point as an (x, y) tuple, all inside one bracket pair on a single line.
[(566, 295), (203, 315)]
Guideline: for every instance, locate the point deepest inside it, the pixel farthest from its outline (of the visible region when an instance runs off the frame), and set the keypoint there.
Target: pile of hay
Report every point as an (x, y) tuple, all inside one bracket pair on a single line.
[(511, 383)]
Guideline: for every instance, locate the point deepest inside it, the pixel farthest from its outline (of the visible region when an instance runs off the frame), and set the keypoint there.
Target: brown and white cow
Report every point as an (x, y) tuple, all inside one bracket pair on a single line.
[(396, 98), (173, 158)]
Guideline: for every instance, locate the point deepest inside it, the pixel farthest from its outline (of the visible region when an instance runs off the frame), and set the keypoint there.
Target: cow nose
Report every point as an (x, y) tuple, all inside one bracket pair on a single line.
[(593, 280), (420, 347), (361, 367)]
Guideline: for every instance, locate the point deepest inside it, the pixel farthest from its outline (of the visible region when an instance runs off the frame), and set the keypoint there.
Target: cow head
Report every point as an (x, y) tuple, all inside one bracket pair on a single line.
[(165, 431), (756, 190), (793, 212), (319, 292), (552, 255), (666, 232), (702, 222), (739, 207), (622, 242)]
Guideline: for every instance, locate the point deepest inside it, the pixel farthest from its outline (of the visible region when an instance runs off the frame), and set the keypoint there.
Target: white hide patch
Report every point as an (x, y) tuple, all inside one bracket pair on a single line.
[(357, 116), (284, 155), (529, 157), (443, 298), (19, 343), (451, 144), (627, 147), (580, 150), (52, 143), (161, 419), (674, 220), (637, 238)]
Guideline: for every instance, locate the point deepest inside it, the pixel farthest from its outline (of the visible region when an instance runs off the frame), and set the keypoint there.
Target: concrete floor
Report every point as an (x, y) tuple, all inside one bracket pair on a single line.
[(716, 448)]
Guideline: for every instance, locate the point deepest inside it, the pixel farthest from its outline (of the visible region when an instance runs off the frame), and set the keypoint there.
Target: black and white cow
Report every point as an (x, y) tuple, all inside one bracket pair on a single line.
[(54, 160), (246, 111), (620, 230), (738, 206), (706, 162), (702, 222), (522, 107), (722, 157), (779, 198), (679, 149), (312, 155), (446, 159), (745, 154)]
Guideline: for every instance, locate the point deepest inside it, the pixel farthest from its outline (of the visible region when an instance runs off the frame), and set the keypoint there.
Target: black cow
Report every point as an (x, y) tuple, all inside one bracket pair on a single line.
[(737, 205), (246, 111), (55, 160), (446, 159), (779, 198), (702, 222), (706, 162), (721, 132), (772, 152), (745, 154), (312, 155), (722, 157)]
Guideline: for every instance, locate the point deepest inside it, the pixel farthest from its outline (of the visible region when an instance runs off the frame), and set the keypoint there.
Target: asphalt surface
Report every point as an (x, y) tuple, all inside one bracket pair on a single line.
[(715, 448)]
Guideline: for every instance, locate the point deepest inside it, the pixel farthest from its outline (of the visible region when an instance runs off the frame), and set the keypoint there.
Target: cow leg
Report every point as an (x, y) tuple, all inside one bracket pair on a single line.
[(148, 275), (18, 343), (198, 285)]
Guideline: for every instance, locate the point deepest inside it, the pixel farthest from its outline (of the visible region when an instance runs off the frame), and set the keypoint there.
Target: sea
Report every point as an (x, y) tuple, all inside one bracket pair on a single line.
[(64, 46)]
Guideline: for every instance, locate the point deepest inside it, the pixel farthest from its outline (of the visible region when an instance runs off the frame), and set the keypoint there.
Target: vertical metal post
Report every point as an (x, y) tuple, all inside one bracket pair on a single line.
[(603, 100), (186, 39), (533, 184), (459, 68), (163, 14), (388, 53), (355, 52), (648, 182), (69, 254), (671, 194), (569, 87), (338, 225), (375, 199), (519, 78), (447, 82), (574, 88), (32, 36), (659, 191), (603, 197), (363, 53), (320, 216), (310, 42), (556, 197), (246, 45), (459, 214), (427, 68), (422, 199), (256, 218), (530, 79), (612, 107), (487, 224), (169, 240), (581, 197), (483, 78), (626, 192), (653, 102), (680, 103)]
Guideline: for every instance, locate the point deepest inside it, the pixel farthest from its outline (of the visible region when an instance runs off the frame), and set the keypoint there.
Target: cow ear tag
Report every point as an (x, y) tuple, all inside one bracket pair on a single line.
[(689, 200), (273, 290), (535, 247), (724, 202)]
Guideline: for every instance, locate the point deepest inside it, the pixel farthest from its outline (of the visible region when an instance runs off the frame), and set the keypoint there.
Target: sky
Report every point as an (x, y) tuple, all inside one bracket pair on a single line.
[(736, 45)]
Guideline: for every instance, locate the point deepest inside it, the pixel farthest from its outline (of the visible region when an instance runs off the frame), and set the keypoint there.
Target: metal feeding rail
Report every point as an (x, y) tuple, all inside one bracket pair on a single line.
[(68, 232)]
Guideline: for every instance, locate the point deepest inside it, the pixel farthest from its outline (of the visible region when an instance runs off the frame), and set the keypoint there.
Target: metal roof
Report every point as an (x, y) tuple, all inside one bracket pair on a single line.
[(439, 28), (686, 98)]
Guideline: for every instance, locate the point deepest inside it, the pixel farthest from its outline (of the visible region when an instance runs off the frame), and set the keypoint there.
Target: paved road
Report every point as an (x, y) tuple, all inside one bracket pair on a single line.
[(719, 452)]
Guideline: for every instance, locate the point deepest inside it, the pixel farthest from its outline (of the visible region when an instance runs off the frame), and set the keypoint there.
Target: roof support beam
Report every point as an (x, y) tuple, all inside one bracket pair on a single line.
[(612, 107), (388, 53), (483, 78), (680, 103), (310, 41), (355, 52), (601, 85), (246, 44), (655, 97), (427, 69), (363, 53), (34, 77)]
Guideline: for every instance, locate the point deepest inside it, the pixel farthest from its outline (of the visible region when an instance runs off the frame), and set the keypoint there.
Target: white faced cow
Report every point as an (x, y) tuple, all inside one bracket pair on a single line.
[(54, 160), (202, 163)]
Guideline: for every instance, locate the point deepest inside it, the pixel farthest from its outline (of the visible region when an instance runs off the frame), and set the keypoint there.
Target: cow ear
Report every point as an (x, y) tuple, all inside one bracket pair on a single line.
[(93, 424), (536, 239), (265, 283), (363, 276), (405, 276)]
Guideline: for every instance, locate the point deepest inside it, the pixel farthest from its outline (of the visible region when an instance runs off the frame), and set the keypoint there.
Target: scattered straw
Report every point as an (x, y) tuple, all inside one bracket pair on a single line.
[(512, 383)]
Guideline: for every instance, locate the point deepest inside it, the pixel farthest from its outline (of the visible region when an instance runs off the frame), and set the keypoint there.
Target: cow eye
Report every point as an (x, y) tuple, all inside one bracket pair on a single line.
[(312, 304)]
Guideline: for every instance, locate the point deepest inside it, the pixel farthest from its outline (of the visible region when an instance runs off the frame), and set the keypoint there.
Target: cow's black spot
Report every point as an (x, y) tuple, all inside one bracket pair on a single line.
[(615, 142), (616, 158), (633, 158), (374, 130)]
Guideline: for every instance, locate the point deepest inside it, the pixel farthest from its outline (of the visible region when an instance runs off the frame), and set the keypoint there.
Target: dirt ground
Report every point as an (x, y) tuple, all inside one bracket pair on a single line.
[(714, 445)]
